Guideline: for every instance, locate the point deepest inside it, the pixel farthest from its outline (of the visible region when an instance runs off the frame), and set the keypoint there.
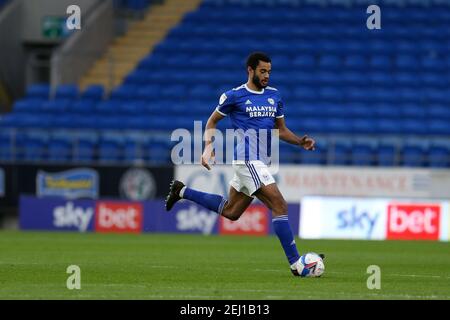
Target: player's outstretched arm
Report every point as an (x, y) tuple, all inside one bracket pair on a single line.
[(208, 153), (290, 137)]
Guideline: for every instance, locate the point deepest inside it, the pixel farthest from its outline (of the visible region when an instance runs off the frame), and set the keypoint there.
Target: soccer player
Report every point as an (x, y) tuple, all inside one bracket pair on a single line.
[(253, 105)]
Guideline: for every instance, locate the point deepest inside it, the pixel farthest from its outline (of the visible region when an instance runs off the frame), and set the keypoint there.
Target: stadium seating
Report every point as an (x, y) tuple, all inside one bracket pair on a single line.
[(337, 78)]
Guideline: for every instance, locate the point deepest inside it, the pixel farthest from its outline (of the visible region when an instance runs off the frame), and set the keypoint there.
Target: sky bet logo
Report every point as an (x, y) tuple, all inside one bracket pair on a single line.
[(357, 220), (71, 216), (413, 221)]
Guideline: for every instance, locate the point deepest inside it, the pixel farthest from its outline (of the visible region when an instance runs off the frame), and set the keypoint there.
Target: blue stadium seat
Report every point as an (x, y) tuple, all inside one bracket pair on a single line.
[(29, 105), (149, 92), (363, 126), (93, 92), (56, 106), (405, 61), (439, 156), (438, 127), (338, 125), (6, 145), (381, 62), (288, 153), (314, 157), (438, 111), (109, 149), (413, 126), (124, 92), (66, 91), (133, 150), (386, 155), (304, 61), (138, 77), (330, 62), (339, 155), (388, 126), (305, 94), (132, 108), (34, 147), (362, 155), (59, 148), (157, 152), (108, 107), (355, 62), (38, 91), (83, 106), (85, 148), (387, 111), (413, 156)]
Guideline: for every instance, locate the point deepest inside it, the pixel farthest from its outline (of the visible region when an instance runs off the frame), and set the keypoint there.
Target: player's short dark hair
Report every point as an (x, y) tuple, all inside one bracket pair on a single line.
[(254, 58)]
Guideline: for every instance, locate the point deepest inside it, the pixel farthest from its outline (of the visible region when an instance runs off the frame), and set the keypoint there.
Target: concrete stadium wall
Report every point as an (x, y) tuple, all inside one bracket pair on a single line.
[(35, 11), (82, 49), (12, 54)]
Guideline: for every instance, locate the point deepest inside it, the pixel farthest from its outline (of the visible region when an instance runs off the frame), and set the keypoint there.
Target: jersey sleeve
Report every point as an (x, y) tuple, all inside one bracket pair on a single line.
[(280, 108), (226, 103)]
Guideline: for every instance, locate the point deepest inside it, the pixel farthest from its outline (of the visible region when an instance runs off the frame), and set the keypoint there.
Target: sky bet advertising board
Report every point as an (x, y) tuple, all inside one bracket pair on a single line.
[(374, 219), (118, 216)]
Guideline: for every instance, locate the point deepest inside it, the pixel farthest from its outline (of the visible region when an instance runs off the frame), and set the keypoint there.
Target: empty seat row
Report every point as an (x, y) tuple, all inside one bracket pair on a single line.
[(43, 91), (116, 150)]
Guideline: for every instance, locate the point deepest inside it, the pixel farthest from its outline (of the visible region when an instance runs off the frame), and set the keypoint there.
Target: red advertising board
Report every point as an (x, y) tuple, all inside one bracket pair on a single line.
[(413, 221), (254, 221), (118, 217)]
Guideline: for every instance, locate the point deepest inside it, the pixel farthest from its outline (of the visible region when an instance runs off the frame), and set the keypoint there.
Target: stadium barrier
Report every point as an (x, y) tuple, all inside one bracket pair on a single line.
[(296, 181), (59, 214), (316, 218)]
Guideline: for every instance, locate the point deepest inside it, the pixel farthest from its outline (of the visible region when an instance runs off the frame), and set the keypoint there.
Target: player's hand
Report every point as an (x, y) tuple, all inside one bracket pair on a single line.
[(207, 156), (307, 143)]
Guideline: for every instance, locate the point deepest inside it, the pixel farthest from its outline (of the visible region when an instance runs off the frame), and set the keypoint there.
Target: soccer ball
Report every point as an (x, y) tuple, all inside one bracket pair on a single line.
[(310, 265)]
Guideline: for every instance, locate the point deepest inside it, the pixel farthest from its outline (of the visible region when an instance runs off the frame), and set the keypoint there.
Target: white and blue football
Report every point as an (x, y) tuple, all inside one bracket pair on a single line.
[(310, 265)]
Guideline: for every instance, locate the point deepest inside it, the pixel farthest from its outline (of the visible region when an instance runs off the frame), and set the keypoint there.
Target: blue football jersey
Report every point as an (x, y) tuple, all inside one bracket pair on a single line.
[(254, 113)]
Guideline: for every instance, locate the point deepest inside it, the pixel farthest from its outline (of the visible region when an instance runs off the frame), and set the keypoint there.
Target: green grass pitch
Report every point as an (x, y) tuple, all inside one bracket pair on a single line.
[(167, 266)]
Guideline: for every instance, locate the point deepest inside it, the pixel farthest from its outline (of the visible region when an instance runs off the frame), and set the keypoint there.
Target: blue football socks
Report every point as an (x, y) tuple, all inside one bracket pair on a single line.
[(283, 231), (210, 201)]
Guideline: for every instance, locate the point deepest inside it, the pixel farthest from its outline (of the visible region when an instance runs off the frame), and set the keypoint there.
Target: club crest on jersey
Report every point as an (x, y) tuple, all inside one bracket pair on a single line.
[(271, 101), (223, 97)]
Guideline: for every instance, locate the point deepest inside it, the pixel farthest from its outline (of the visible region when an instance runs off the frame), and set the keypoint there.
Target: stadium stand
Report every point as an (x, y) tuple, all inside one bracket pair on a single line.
[(340, 82)]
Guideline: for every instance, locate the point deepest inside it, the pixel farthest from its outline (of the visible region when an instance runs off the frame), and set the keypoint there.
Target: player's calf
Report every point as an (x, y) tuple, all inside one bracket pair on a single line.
[(231, 212), (179, 191), (279, 208)]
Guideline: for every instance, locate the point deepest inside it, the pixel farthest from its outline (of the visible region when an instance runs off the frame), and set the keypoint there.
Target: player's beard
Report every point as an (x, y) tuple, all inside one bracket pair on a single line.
[(257, 82)]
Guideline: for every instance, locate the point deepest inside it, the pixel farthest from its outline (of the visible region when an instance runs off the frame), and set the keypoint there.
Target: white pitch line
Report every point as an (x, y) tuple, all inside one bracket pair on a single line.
[(390, 274)]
